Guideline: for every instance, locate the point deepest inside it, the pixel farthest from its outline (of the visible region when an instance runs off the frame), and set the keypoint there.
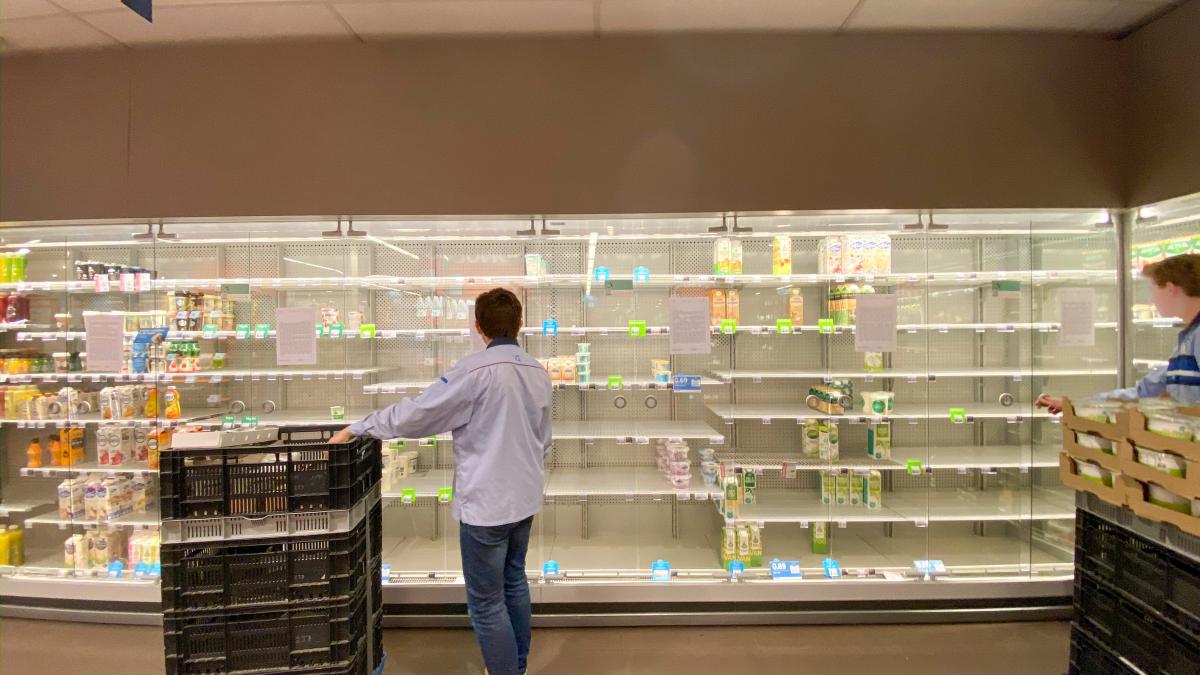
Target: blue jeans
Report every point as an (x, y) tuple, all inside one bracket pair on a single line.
[(493, 561)]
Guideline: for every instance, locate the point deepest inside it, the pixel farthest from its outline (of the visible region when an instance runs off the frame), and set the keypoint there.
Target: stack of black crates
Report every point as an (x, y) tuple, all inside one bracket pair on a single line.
[(271, 555), (1137, 594)]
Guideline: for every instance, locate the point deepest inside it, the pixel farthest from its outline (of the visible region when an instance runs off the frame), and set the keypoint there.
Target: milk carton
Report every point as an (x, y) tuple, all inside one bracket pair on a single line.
[(856, 489), (879, 440), (843, 489), (828, 487), (70, 499), (873, 489)]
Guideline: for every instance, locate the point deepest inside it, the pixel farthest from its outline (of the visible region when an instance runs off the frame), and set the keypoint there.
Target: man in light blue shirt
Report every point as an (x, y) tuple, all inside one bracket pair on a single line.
[(497, 404)]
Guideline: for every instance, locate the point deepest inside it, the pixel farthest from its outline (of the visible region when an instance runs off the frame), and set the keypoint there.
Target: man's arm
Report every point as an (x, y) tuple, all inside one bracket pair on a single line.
[(1153, 385), (446, 405)]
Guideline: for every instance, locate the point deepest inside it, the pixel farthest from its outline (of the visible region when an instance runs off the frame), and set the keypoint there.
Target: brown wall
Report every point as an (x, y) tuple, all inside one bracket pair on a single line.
[(563, 126), (1163, 71)]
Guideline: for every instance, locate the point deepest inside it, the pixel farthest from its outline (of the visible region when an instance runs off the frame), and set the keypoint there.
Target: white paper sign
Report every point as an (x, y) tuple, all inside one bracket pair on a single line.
[(105, 335), (1077, 313), (295, 336), (876, 328), (690, 319)]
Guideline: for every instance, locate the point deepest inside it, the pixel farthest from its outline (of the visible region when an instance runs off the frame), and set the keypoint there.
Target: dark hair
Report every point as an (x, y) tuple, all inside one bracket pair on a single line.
[(1181, 270), (499, 313)]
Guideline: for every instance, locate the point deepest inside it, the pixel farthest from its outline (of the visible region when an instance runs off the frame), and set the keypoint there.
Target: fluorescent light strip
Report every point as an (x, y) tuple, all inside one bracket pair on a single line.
[(320, 267), (397, 249)]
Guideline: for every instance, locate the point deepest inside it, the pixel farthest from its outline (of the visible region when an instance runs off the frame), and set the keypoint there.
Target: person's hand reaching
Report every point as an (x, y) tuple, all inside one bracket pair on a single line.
[(1055, 405), (342, 437)]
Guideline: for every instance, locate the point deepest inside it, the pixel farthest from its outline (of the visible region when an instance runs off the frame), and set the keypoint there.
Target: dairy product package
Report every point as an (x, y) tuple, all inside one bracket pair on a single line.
[(856, 488), (756, 548), (749, 487), (879, 440), (829, 255), (733, 304), (828, 487), (743, 544), (728, 545), (827, 443), (137, 491), (735, 257), (820, 538), (731, 504), (91, 505), (70, 499), (74, 552), (854, 254), (1163, 461), (883, 254), (781, 254), (843, 489), (873, 489), (812, 438)]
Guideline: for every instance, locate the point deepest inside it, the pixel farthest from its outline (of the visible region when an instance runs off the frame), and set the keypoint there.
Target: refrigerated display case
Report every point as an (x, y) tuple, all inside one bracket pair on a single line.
[(669, 463)]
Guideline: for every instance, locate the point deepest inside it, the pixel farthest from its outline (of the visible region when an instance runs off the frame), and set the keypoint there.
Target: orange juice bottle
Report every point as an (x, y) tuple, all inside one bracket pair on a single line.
[(53, 447), (34, 453)]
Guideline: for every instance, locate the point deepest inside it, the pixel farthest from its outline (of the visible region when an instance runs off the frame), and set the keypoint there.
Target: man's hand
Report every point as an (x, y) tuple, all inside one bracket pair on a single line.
[(1054, 404), (342, 437)]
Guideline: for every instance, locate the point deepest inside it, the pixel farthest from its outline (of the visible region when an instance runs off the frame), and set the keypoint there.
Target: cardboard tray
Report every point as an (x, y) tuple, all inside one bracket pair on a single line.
[(1115, 495), (1137, 433), (1074, 449), (1071, 421), (1188, 486), (1137, 501)]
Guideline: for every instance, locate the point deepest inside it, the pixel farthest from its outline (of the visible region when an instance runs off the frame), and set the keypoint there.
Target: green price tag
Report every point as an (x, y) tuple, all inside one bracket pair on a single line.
[(320, 330), (209, 332), (427, 442), (914, 468), (615, 382), (243, 331), (728, 326), (445, 495), (250, 420), (262, 330), (367, 330), (958, 415), (408, 496), (826, 326), (335, 330), (637, 328), (228, 421), (783, 326)]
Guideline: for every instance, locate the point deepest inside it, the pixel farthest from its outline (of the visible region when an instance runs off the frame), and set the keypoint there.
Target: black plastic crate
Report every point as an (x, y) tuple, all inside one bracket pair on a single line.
[(300, 472), (1090, 657), (326, 638), (1143, 570), (1128, 629), (264, 573)]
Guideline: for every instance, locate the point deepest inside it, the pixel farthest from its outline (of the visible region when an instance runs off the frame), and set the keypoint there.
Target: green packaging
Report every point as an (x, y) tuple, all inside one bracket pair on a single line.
[(873, 489), (856, 488), (749, 487), (879, 440), (828, 487), (843, 488), (756, 548), (820, 538)]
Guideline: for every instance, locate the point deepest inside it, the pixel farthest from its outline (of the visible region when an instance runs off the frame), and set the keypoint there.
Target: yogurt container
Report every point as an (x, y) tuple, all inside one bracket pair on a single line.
[(1169, 500), (681, 481), (1163, 461), (1098, 411), (1095, 442), (1171, 426), (1094, 473), (878, 402), (707, 454)]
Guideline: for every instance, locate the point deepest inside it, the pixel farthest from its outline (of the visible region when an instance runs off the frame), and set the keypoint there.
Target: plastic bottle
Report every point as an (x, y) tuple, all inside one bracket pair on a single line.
[(55, 451), (18, 265), (16, 545), (34, 453), (171, 407), (5, 550)]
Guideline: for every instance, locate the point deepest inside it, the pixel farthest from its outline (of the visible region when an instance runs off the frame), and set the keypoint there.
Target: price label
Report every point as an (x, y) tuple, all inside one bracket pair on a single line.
[(445, 495), (209, 332), (728, 326), (660, 570), (783, 326), (637, 328), (825, 326), (785, 569), (242, 331), (261, 331)]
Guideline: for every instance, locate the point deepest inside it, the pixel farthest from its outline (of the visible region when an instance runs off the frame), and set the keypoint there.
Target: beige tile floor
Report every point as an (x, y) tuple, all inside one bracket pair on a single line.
[(39, 647)]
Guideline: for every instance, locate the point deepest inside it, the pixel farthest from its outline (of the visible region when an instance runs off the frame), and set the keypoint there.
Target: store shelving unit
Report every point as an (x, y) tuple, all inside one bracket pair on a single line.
[(986, 496)]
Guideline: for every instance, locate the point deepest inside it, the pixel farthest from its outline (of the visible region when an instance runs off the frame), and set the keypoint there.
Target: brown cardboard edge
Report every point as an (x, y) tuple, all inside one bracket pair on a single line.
[(1138, 503), (1113, 432), (1141, 437), (1074, 449), (1066, 471), (1188, 486)]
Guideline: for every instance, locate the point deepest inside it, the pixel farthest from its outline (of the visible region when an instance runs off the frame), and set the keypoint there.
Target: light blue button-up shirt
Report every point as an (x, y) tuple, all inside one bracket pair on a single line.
[(497, 403)]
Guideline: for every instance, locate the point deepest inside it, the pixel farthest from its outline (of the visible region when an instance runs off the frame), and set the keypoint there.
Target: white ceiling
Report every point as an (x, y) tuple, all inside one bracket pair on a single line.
[(27, 25)]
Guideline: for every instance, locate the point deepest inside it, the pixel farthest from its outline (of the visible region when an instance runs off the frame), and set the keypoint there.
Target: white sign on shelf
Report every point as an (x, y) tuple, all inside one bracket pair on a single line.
[(295, 339), (105, 342), (689, 325), (1077, 313), (876, 323)]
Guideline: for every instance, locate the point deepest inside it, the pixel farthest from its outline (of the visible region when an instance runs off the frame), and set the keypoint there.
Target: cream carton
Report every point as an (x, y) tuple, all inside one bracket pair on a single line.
[(756, 547), (873, 489), (879, 440), (70, 499), (843, 488), (728, 546), (820, 538), (731, 504), (743, 545), (856, 488), (828, 487)]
